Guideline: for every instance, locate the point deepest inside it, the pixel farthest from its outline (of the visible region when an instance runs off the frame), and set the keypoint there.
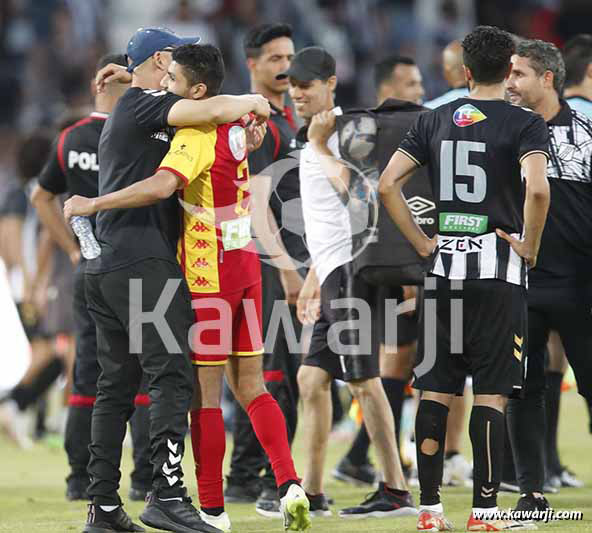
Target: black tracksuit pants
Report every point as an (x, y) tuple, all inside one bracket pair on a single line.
[(170, 375)]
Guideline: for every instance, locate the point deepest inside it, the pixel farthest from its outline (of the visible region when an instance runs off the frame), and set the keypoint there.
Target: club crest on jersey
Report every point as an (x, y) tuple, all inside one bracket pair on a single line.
[(237, 141), (467, 115)]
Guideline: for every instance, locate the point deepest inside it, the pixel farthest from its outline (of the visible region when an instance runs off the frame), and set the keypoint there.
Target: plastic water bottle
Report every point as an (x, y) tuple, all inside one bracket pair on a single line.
[(89, 247)]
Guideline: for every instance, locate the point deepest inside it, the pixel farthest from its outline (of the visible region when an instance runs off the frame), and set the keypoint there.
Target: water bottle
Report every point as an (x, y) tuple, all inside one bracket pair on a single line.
[(89, 247)]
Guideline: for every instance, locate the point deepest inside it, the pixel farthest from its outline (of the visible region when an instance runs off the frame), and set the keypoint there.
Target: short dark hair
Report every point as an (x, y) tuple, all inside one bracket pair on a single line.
[(487, 52), (118, 59), (544, 56), (577, 54), (201, 63), (260, 35), (384, 68), (32, 153)]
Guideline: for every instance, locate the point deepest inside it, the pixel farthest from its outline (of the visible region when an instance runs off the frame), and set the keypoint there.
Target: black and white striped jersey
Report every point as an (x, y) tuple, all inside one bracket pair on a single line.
[(565, 256), (473, 150)]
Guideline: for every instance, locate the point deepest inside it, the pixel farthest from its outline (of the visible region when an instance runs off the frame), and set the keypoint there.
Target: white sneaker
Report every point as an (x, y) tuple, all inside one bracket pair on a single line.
[(457, 472), (294, 507), (222, 521)]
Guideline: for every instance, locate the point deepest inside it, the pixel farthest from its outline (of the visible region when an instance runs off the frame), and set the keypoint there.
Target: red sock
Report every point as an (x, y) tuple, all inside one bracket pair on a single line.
[(269, 424), (208, 440)]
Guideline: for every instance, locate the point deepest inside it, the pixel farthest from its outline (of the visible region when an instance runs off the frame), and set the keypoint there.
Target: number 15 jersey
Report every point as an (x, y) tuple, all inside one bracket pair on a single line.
[(474, 149)]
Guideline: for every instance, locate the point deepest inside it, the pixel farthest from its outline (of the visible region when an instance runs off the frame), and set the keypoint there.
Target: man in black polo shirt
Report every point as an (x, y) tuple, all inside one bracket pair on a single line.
[(560, 290), (269, 50), (136, 292), (73, 168)]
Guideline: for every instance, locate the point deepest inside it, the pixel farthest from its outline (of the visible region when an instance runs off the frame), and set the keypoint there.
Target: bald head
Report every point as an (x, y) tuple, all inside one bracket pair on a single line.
[(452, 65)]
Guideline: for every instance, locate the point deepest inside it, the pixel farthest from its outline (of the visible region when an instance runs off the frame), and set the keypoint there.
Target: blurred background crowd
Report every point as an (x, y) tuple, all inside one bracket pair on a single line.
[(49, 50)]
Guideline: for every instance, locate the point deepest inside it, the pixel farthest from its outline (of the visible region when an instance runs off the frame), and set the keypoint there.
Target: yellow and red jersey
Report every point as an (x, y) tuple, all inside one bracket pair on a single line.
[(215, 249)]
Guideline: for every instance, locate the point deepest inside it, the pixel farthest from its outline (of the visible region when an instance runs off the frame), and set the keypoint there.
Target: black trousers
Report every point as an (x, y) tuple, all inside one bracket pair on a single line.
[(566, 310), (280, 370), (84, 392), (165, 361)]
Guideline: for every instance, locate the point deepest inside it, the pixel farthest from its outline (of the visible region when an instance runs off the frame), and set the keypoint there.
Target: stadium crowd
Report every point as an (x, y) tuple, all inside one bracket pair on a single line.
[(253, 217)]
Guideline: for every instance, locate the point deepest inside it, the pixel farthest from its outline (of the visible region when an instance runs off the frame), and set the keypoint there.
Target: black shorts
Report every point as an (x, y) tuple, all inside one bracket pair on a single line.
[(357, 363), (404, 325), (486, 340)]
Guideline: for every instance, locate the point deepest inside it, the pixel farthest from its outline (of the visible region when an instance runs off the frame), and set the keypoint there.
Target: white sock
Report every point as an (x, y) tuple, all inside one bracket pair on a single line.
[(108, 508), (485, 512), (438, 508)]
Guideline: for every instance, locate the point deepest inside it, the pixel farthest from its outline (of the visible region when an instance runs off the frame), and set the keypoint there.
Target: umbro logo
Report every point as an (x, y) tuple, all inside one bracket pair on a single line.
[(420, 205)]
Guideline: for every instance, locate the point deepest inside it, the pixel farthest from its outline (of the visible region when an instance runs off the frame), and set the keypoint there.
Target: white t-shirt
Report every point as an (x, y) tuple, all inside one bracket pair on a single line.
[(326, 218)]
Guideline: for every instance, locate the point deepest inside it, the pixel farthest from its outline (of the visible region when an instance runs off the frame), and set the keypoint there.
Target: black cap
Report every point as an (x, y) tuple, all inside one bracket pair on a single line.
[(312, 63)]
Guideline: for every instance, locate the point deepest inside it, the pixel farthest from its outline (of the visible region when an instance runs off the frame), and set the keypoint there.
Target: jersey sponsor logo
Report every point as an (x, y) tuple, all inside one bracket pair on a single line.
[(200, 262), (182, 152), (419, 206), (463, 222), (237, 141), (200, 244), (200, 281), (467, 115), (199, 227), (460, 244), (84, 160)]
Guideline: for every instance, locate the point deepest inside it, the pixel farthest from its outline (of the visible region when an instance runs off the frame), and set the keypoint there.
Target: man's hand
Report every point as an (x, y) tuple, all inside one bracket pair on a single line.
[(261, 108), (522, 248), (321, 127), (74, 256), (79, 206), (308, 305), (428, 247), (255, 134), (111, 73), (292, 283)]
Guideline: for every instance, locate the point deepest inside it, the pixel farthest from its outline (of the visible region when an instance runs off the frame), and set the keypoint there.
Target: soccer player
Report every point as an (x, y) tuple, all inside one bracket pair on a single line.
[(323, 182), (560, 290), (73, 168), (139, 244), (269, 50), (208, 166), (487, 163), (454, 74), (577, 54), (398, 77)]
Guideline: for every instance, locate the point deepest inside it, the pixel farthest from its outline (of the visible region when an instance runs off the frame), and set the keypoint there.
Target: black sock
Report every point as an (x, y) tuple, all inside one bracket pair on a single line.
[(213, 511), (552, 398), (358, 453), (26, 395), (508, 468), (395, 392), (451, 453), (486, 428), (283, 488), (526, 430), (430, 423)]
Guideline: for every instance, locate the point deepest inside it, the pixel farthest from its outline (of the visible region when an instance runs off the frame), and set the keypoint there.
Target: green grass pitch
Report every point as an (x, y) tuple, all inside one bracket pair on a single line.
[(32, 489)]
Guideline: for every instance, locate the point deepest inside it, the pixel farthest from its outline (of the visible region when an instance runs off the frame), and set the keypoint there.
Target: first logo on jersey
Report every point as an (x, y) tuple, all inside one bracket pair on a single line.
[(467, 115)]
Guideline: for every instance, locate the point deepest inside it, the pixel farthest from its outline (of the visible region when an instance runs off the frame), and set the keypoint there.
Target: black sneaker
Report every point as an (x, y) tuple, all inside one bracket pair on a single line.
[(138, 494), (319, 506), (382, 503), (174, 514), (268, 504), (356, 474), (530, 503), (242, 492), (76, 489), (99, 521)]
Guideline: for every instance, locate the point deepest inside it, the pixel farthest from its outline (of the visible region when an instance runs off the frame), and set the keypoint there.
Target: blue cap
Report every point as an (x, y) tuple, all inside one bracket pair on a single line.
[(146, 41)]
